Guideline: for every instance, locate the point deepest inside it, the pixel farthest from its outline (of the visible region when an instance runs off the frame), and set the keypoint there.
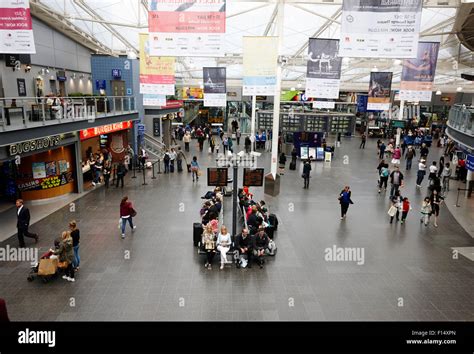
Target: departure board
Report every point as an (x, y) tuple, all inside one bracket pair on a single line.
[(217, 176), (253, 177)]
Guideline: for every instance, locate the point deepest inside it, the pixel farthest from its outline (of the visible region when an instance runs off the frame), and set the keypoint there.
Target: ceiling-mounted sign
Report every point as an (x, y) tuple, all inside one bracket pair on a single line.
[(380, 28), (260, 65), (154, 100), (61, 75), (157, 74), (379, 91), (104, 129), (33, 145), (187, 27), (418, 74), (323, 71), (470, 162), (324, 104), (116, 74), (16, 29), (214, 87)]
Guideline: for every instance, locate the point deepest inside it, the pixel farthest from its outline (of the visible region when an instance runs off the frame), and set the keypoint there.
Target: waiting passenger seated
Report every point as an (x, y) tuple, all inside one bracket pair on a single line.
[(244, 244), (260, 244)]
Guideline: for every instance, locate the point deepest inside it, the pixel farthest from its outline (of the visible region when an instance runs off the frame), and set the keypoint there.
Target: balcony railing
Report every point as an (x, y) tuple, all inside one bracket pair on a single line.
[(32, 112), (461, 118)]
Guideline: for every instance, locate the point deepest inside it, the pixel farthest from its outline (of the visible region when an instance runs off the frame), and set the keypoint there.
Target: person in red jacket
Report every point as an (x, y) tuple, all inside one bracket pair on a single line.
[(126, 214), (3, 312), (405, 209)]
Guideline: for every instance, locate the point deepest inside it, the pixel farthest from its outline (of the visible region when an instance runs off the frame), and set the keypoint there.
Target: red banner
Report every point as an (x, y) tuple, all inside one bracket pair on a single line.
[(105, 129)]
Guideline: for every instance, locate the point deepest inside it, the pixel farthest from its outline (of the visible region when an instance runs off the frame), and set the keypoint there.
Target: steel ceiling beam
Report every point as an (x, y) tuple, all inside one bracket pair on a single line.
[(315, 13), (271, 21)]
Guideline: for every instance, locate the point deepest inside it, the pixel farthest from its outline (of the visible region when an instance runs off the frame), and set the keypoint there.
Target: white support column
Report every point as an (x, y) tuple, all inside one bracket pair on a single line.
[(252, 122), (401, 116), (276, 101)]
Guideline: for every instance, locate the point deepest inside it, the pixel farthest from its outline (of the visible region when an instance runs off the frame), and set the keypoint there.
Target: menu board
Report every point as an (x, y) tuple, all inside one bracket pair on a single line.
[(217, 176), (253, 177)]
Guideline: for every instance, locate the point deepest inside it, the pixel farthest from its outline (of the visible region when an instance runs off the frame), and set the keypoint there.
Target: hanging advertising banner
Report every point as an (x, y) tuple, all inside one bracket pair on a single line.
[(379, 91), (214, 87), (16, 29), (418, 74), (380, 28), (323, 71), (187, 27), (154, 100), (156, 73), (260, 65)]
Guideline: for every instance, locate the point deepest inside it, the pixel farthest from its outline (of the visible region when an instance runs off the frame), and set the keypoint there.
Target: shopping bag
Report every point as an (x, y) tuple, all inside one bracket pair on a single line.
[(47, 266), (392, 211), (209, 151), (199, 173), (63, 265), (120, 223)]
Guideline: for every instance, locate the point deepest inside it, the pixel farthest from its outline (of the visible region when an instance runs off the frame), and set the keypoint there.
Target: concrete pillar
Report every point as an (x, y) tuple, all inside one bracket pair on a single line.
[(78, 154), (166, 132)]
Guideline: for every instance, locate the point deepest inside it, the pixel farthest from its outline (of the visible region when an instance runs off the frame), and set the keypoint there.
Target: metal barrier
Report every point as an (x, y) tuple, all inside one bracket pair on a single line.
[(461, 118), (30, 112)]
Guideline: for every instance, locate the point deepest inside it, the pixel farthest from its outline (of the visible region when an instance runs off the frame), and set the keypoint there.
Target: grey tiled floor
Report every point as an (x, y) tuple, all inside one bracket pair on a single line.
[(164, 279)]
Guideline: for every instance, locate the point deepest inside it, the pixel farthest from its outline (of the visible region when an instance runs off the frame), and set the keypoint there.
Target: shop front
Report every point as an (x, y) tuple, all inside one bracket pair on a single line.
[(39, 169), (113, 138)]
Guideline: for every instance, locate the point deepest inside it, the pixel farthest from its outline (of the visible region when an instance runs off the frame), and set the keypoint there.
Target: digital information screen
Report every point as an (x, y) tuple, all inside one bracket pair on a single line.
[(217, 176), (253, 177)]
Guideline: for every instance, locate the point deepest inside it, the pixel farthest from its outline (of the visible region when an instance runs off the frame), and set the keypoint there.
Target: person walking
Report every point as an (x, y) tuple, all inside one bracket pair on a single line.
[(306, 173), (405, 209), (247, 144), (433, 171), (127, 212), (238, 134), (187, 140), (225, 144), (212, 143), (384, 173), (345, 200), (106, 172), (75, 235), (421, 173), (65, 252), (23, 222), (424, 151), (409, 157), (441, 166), (397, 155), (121, 172), (230, 144), (382, 150), (195, 168), (436, 200), (394, 210), (426, 211), (166, 161), (396, 180), (223, 245), (179, 159), (362, 143), (446, 176), (282, 162), (172, 155)]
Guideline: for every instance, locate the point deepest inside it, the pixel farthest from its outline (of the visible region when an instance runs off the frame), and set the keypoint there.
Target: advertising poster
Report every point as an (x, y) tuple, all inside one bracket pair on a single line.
[(418, 74), (193, 93), (156, 73), (16, 29), (379, 91), (154, 100), (51, 168), (380, 28), (39, 170), (260, 64), (187, 27), (323, 71), (214, 87), (62, 166), (324, 104)]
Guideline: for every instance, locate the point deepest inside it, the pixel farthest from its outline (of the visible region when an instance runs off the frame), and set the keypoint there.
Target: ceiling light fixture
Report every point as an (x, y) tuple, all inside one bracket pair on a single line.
[(438, 93), (292, 89), (131, 54), (459, 89), (397, 62), (375, 69)]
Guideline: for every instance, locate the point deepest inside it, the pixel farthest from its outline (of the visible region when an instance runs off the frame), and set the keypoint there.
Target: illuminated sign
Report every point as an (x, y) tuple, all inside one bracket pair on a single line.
[(104, 129)]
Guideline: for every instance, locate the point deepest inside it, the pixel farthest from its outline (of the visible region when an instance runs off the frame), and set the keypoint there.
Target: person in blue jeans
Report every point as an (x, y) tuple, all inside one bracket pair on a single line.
[(126, 214), (195, 168), (345, 200), (75, 235)]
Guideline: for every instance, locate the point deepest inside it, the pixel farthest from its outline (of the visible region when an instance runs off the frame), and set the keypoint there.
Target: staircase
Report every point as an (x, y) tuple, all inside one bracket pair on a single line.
[(154, 147)]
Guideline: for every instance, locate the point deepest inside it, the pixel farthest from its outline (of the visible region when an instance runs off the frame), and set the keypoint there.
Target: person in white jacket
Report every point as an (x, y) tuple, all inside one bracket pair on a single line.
[(223, 244)]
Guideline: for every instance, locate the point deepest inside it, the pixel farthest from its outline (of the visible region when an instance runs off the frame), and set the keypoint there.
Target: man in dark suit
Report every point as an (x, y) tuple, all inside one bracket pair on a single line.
[(23, 217)]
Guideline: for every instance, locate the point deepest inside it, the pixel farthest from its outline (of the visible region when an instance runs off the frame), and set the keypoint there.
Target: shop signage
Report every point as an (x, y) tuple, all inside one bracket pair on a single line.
[(61, 75), (446, 99), (33, 145), (46, 183), (116, 73), (470, 162), (104, 129), (16, 28)]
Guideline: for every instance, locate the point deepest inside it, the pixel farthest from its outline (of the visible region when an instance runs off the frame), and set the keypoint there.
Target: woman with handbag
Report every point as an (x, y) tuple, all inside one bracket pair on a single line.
[(209, 242), (126, 214), (65, 251), (195, 168), (397, 202)]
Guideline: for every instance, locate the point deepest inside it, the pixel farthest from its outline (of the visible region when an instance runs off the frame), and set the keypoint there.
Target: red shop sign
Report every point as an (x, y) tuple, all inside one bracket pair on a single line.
[(104, 129)]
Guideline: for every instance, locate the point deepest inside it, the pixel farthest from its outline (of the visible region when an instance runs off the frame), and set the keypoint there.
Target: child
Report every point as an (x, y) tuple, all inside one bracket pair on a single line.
[(405, 208), (425, 211)]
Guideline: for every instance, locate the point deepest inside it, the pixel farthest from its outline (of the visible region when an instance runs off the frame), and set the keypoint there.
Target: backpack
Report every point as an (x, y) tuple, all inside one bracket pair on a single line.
[(167, 158), (272, 248), (384, 172)]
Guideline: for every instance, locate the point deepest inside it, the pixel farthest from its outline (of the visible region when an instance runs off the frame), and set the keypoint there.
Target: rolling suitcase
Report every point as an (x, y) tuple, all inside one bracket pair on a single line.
[(293, 166), (269, 231), (197, 233), (273, 220), (171, 167)]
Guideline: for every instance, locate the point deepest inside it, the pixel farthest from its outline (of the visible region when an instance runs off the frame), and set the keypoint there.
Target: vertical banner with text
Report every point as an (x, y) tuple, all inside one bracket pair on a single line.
[(418, 74), (379, 91), (260, 65), (380, 28), (156, 73), (16, 29), (323, 71), (214, 87), (187, 27)]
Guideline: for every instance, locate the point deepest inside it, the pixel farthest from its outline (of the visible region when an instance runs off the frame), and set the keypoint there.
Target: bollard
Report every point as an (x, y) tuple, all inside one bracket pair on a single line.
[(153, 170), (134, 167), (159, 167), (144, 181)]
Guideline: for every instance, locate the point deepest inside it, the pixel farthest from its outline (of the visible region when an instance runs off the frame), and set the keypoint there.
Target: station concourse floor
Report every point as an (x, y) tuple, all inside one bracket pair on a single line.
[(164, 279)]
